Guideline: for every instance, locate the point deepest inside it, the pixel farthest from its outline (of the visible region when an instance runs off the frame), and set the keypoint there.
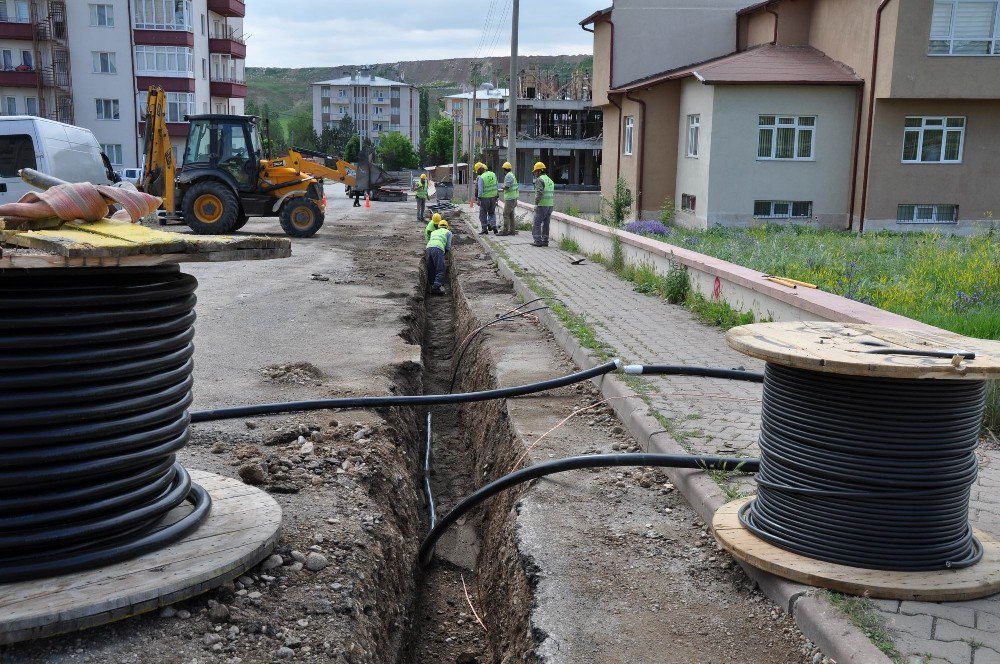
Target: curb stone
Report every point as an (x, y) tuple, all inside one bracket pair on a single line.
[(821, 622)]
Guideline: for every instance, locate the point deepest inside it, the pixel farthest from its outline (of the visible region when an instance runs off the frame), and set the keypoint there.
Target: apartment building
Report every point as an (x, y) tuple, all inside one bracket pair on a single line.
[(91, 64), (488, 101), (377, 105), (847, 114)]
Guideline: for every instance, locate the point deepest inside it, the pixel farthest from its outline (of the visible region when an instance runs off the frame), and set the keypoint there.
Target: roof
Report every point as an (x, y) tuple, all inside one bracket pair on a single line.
[(754, 7), (361, 79), (600, 13), (764, 65), (495, 93)]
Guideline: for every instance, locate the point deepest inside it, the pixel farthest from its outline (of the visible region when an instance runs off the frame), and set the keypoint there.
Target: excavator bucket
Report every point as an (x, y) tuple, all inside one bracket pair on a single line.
[(371, 176)]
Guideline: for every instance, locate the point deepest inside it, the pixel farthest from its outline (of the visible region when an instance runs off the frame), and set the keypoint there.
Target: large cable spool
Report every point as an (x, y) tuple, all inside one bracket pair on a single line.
[(95, 384), (868, 457)]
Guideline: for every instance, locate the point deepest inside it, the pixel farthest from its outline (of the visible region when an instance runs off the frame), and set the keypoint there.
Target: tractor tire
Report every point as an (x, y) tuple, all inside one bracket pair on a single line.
[(241, 221), (211, 208), (301, 217)]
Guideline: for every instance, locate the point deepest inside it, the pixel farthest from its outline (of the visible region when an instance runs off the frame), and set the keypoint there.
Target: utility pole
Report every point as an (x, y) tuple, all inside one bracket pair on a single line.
[(472, 135), (513, 85)]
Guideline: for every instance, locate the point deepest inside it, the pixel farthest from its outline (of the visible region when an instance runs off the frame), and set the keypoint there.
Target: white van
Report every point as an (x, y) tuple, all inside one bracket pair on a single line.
[(67, 152)]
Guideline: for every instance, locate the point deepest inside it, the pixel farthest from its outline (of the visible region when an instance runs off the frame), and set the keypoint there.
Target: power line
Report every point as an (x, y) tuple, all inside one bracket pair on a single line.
[(500, 28), (486, 28)]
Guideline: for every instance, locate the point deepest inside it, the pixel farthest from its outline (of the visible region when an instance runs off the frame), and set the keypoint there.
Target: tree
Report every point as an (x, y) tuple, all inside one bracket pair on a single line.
[(352, 148), (327, 140), (301, 133), (343, 133), (440, 140), (396, 152)]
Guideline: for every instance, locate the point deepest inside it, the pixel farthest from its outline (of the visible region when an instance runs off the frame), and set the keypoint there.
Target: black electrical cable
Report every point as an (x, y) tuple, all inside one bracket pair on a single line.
[(95, 382), (412, 400), (577, 463), (684, 370), (519, 315), (868, 472)]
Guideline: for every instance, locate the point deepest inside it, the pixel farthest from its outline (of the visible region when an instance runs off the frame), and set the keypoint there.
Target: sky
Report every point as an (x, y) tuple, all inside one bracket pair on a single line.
[(325, 33)]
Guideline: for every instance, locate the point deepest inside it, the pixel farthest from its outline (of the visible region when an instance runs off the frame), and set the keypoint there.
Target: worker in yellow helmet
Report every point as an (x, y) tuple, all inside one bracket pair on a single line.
[(432, 226), (421, 195), (509, 190), (486, 192), (545, 200), (438, 244)]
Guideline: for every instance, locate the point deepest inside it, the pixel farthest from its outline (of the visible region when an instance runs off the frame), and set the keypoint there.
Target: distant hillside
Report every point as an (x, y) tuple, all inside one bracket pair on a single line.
[(287, 91)]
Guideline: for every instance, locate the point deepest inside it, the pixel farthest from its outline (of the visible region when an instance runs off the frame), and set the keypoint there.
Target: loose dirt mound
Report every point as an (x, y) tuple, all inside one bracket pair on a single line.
[(297, 373)]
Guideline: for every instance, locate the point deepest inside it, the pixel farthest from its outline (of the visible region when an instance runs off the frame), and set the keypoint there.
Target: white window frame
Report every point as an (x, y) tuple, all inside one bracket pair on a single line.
[(105, 62), (689, 202), (108, 109), (935, 209), (992, 40), (96, 9), (178, 105), (156, 15), (693, 134), (28, 59), (934, 126), (183, 57), (629, 135), (794, 122), (10, 105), (773, 205), (27, 109), (114, 152)]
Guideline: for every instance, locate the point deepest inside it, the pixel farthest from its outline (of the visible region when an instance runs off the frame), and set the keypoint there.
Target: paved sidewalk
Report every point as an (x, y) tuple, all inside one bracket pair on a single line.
[(718, 416)]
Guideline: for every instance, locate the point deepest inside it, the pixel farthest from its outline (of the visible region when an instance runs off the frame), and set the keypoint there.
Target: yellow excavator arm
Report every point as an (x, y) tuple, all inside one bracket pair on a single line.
[(345, 172), (159, 166)]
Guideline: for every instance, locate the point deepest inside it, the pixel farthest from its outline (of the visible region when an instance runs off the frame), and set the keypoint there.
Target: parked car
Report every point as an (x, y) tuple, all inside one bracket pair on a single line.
[(64, 151)]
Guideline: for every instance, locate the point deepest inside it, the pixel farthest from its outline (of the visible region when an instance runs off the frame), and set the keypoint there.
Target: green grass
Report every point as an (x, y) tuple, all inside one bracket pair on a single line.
[(864, 616), (570, 245)]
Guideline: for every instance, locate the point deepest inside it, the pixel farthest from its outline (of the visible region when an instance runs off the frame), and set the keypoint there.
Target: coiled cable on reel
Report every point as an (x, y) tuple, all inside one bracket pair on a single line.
[(868, 472), (95, 383)]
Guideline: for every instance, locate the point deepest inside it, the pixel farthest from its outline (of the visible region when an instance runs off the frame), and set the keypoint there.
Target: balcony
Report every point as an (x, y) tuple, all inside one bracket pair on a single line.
[(228, 87), (380, 100), (174, 129), (164, 38), (16, 30), (19, 79), (231, 46), (229, 8)]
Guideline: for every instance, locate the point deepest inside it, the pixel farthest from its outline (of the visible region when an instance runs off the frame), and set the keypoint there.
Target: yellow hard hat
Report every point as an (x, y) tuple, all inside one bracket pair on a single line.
[(506, 166), (539, 166), (423, 176), (443, 224), (479, 167), (437, 219)]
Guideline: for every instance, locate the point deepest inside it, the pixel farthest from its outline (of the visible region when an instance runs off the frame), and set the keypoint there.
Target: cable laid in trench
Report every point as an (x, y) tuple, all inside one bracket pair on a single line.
[(576, 463), (411, 400), (95, 382)]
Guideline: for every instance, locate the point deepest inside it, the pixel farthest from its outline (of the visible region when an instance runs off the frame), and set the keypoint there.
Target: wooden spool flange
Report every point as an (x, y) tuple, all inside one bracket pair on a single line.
[(974, 582), (241, 530)]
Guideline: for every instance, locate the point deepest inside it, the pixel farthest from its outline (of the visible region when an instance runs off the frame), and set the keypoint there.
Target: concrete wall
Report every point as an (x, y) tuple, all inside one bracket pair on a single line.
[(693, 172), (738, 178), (601, 79), (972, 185), (917, 74)]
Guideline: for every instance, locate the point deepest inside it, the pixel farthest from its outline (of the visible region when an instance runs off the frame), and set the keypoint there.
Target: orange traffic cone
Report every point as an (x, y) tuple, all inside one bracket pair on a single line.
[(368, 201)]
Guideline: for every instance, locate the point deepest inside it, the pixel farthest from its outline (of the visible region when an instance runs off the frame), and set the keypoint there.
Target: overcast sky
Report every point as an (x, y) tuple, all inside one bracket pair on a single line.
[(326, 33)]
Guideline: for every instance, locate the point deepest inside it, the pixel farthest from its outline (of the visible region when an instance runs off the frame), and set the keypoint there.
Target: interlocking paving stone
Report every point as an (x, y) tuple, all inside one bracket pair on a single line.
[(710, 416)]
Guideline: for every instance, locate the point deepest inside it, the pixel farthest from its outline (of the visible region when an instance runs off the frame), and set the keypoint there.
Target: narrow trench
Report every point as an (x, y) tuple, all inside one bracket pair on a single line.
[(446, 631)]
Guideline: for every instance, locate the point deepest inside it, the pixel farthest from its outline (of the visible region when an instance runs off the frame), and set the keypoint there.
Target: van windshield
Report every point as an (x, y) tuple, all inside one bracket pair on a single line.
[(17, 151)]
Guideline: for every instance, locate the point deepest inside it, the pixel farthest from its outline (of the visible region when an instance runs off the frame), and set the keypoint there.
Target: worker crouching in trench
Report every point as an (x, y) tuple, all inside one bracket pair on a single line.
[(438, 244)]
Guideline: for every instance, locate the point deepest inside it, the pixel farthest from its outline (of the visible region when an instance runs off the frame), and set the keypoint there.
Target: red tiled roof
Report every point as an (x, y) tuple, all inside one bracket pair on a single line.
[(764, 65)]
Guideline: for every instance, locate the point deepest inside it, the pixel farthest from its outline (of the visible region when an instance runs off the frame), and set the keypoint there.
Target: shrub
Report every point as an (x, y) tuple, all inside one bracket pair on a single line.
[(570, 245), (667, 210), (617, 255), (648, 228), (572, 211), (619, 206), (676, 285)]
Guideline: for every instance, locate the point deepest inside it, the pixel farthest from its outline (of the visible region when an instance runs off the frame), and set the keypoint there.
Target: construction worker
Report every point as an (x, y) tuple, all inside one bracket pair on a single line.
[(486, 191), (545, 200), (509, 189), (421, 196), (432, 226), (437, 245)]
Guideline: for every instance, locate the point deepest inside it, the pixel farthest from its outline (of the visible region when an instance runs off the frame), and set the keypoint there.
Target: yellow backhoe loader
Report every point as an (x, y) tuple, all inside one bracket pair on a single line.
[(226, 178)]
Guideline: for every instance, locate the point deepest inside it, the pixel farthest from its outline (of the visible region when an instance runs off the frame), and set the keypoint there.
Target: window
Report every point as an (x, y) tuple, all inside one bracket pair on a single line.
[(629, 128), (163, 15), (179, 104), (782, 209), (203, 24), (164, 61), (324, 93), (204, 107), (226, 68), (107, 109), (786, 137), (966, 27), (927, 214), (17, 151), (114, 152), (220, 109), (10, 105), (27, 59), (102, 16), (688, 202), (933, 140), (104, 63), (22, 10), (31, 105), (342, 93), (204, 68), (694, 129)]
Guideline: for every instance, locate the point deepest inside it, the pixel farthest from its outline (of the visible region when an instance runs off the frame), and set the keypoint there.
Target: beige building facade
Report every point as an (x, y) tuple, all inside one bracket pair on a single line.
[(905, 145)]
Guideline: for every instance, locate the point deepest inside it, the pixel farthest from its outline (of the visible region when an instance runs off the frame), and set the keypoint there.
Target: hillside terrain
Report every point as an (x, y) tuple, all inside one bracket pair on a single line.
[(287, 91)]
